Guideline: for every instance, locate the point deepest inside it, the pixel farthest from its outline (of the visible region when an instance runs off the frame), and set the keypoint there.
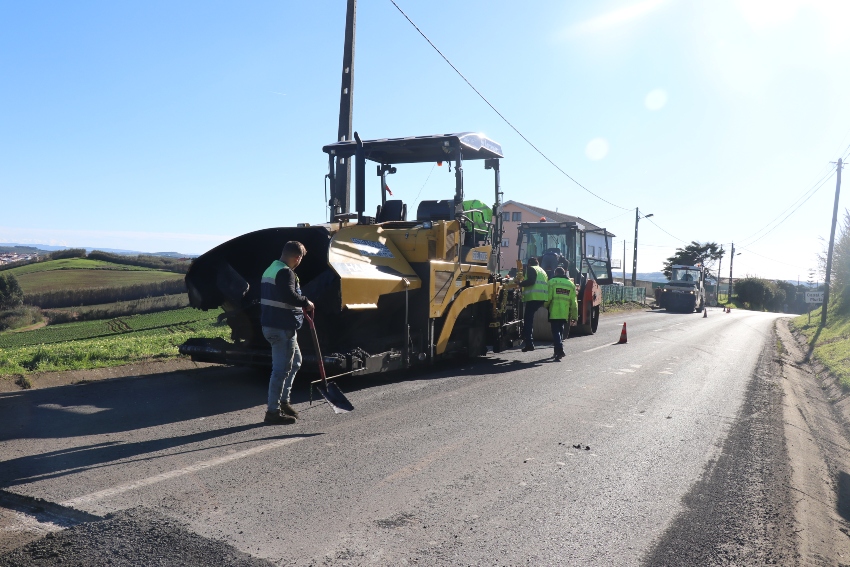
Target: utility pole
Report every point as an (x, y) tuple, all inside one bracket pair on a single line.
[(838, 167), (340, 201), (634, 258), (624, 261), (731, 262), (719, 265)]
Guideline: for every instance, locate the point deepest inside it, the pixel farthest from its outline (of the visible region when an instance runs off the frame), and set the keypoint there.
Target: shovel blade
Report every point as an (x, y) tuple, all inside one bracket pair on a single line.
[(334, 396)]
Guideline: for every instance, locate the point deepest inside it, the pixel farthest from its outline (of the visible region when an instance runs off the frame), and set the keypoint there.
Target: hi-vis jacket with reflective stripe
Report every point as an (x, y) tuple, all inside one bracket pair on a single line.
[(538, 290), (275, 312), (562, 302)]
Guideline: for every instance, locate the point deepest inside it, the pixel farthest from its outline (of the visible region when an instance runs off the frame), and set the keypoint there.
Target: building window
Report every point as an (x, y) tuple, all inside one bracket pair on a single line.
[(592, 252), (505, 242), (516, 217)]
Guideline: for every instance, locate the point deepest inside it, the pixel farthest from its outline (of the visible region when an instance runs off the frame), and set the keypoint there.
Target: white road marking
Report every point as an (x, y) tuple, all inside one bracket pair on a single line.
[(635, 365), (597, 348), (665, 372), (121, 488), (626, 369)]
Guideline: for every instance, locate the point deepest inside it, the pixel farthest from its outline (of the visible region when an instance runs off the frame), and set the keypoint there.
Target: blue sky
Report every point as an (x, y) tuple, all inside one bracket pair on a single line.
[(173, 126)]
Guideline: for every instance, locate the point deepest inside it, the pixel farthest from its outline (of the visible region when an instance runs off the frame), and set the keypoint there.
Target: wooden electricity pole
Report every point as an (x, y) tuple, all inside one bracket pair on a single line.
[(838, 167)]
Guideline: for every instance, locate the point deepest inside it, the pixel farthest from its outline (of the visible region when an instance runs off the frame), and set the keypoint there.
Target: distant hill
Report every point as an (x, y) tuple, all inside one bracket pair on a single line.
[(33, 248)]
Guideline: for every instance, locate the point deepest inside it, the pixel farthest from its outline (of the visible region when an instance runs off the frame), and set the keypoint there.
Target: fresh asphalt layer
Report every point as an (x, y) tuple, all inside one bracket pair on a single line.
[(506, 460)]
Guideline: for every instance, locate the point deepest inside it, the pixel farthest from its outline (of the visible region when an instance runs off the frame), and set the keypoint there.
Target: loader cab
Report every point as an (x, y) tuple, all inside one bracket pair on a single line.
[(551, 241)]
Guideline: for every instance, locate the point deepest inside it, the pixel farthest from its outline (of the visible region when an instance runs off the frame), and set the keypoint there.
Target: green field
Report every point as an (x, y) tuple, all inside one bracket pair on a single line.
[(96, 344), (71, 264), (82, 273)]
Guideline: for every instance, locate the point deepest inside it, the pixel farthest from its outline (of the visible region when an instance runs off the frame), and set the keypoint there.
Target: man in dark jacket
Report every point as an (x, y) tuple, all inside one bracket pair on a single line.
[(281, 315)]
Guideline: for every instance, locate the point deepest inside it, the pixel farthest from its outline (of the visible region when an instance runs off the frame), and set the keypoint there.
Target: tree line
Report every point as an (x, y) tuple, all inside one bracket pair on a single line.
[(95, 296), (143, 260)]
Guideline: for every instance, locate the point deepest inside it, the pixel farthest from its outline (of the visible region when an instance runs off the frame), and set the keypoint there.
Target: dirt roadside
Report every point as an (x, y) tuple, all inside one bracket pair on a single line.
[(816, 414)]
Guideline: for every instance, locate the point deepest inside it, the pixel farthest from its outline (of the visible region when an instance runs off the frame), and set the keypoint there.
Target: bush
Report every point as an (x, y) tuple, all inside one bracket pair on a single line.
[(22, 316), (11, 294)]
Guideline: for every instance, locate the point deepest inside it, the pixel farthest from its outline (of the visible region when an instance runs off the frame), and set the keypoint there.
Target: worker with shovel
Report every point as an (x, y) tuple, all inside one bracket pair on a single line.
[(282, 313), (562, 304)]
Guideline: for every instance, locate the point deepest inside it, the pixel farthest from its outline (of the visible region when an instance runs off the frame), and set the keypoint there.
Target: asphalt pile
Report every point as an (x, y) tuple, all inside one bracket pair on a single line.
[(134, 537)]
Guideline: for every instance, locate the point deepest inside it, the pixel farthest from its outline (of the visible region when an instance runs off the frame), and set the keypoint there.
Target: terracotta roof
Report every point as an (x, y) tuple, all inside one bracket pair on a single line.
[(555, 216)]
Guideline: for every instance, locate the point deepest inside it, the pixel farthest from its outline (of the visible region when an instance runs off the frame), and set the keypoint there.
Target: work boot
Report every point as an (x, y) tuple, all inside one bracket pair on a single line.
[(287, 409), (276, 418), (527, 348)]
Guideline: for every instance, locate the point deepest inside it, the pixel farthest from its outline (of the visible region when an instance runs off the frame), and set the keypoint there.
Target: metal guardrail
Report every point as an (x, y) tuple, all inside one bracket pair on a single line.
[(619, 293)]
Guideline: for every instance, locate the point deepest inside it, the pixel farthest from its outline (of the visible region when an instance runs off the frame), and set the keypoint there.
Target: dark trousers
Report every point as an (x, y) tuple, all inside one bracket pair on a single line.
[(558, 335), (531, 308)]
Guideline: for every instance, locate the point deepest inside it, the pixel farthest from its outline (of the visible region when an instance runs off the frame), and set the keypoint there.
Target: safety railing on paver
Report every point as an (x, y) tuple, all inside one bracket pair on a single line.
[(619, 293)]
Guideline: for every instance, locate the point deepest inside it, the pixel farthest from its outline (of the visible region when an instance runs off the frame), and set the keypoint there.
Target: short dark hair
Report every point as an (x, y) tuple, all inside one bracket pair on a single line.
[(533, 261), (559, 272), (294, 248), (564, 262)]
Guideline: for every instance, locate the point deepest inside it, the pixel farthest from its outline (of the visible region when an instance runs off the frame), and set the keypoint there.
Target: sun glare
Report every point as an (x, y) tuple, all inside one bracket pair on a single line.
[(596, 149), (656, 99)]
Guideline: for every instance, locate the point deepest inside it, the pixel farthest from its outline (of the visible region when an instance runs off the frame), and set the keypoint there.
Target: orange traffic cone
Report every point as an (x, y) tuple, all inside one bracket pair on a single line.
[(623, 338), (704, 312)]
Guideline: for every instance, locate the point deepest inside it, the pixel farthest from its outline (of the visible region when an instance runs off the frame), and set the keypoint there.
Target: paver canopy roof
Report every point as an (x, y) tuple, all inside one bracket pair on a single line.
[(421, 149)]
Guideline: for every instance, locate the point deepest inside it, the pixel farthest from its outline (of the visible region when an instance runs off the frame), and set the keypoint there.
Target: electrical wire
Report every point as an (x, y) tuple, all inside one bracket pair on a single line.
[(514, 128), (766, 258), (664, 231), (806, 196), (815, 190)]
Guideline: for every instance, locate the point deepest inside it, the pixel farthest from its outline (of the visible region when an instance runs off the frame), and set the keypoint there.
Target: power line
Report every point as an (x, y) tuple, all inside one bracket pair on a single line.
[(811, 190), (664, 231), (514, 128), (815, 190), (771, 259)]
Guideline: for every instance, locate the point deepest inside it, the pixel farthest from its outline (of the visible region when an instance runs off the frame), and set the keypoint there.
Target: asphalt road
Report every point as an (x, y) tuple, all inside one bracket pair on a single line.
[(601, 459)]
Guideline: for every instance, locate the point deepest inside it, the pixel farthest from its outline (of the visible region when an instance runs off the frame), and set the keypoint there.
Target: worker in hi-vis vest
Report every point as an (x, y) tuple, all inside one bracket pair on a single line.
[(534, 293), (282, 309), (562, 304)]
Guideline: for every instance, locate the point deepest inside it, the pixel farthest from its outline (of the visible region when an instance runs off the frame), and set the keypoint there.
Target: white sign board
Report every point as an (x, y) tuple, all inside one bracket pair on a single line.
[(814, 297), (615, 263)]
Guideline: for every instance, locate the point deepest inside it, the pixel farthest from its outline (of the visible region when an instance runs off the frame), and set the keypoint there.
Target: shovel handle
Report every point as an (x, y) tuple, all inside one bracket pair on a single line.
[(316, 348)]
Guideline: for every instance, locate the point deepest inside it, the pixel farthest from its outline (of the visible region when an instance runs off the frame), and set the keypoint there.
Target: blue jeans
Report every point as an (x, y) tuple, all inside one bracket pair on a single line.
[(531, 308), (558, 334), (286, 360)]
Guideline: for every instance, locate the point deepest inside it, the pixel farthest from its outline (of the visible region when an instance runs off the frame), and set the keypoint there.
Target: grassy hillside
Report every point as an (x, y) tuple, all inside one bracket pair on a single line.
[(82, 273), (830, 345)]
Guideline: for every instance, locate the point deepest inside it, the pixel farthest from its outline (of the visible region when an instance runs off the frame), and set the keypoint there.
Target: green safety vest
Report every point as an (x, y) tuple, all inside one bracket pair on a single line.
[(561, 301), (540, 290)]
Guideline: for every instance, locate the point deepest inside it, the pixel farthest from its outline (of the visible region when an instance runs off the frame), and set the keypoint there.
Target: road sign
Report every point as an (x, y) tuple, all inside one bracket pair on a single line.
[(814, 297)]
